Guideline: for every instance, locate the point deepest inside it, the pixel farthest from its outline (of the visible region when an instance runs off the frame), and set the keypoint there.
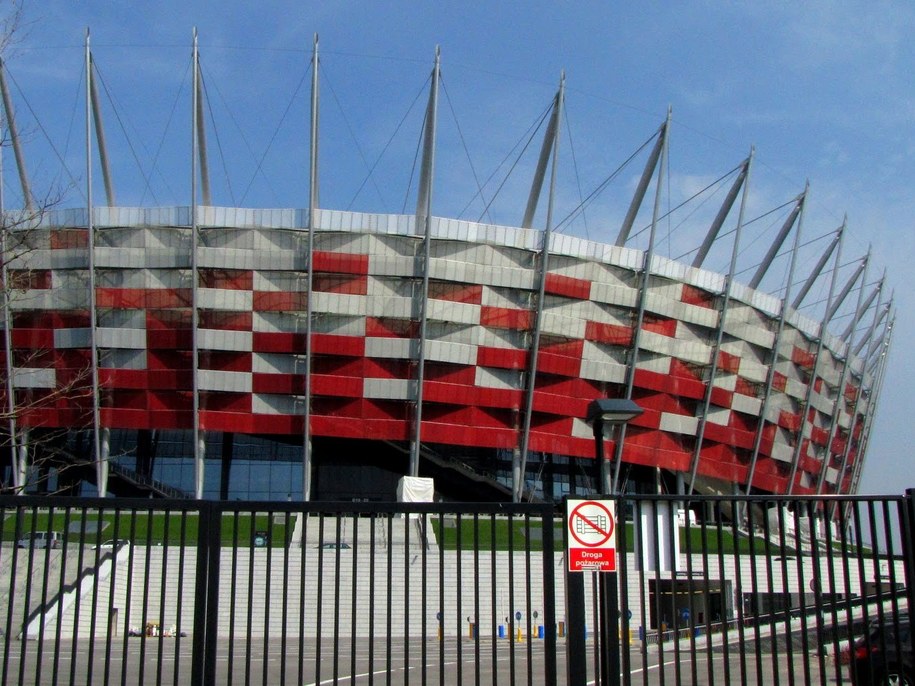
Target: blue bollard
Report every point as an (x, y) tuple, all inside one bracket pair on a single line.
[(501, 631)]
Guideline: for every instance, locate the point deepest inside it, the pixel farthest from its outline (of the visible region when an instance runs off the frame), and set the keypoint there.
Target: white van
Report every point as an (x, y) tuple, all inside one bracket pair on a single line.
[(41, 539)]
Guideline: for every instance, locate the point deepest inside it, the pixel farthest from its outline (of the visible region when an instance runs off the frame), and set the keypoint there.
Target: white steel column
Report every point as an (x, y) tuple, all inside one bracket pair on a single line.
[(307, 467), (551, 141), (811, 384), (643, 287), (840, 394), (14, 137), (722, 316), (424, 220), (12, 424), (797, 213), (199, 435), (101, 458), (879, 376)]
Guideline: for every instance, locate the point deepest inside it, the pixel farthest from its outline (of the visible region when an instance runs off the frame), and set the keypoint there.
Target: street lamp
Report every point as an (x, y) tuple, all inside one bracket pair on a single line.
[(615, 412)]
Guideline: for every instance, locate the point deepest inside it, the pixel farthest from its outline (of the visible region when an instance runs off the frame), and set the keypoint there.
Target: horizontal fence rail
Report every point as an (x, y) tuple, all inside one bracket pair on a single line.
[(711, 590)]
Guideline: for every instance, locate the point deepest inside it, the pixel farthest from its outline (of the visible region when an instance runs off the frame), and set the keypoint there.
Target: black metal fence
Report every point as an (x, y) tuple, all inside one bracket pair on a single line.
[(710, 591)]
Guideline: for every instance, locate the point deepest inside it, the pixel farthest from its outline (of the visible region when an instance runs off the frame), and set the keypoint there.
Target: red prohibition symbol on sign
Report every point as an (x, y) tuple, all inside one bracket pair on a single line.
[(594, 528)]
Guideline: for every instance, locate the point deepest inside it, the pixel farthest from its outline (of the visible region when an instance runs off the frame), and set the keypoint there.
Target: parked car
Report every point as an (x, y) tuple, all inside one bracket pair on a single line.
[(882, 657), (41, 539), (112, 543)]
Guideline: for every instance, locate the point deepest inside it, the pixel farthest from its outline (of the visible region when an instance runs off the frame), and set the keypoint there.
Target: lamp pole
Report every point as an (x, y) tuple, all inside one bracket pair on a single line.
[(613, 412)]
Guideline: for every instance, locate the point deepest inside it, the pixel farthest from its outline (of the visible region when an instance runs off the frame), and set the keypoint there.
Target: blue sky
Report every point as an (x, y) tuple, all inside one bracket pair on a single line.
[(822, 89)]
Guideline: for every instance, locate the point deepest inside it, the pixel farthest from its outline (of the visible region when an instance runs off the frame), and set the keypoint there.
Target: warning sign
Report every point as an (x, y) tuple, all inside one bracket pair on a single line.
[(592, 545)]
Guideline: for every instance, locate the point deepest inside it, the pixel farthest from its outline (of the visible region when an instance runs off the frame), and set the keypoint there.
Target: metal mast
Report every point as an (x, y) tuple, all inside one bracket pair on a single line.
[(724, 212), (726, 301), (100, 132), (796, 213), (840, 392), (662, 149), (879, 374), (424, 220), (15, 140), (16, 449), (199, 436), (309, 305), (642, 188), (201, 128), (550, 144), (100, 438), (818, 269), (799, 446)]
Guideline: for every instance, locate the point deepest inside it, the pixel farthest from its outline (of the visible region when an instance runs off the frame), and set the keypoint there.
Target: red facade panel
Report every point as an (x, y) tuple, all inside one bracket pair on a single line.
[(557, 284), (506, 318), (501, 358), (613, 334), (340, 263)]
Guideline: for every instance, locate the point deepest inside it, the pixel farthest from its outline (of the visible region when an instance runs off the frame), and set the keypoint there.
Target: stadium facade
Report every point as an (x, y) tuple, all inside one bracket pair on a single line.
[(227, 352)]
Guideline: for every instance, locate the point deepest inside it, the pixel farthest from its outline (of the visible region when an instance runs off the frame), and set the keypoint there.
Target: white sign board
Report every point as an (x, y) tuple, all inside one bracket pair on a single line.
[(591, 528)]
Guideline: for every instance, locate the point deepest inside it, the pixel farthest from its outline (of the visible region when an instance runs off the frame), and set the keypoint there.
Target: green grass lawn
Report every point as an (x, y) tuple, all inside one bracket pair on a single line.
[(147, 528)]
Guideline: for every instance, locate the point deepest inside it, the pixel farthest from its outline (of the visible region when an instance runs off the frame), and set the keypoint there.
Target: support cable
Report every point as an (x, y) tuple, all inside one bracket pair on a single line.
[(349, 127), (419, 145), (457, 125), (29, 201), (532, 128), (276, 130), (171, 116), (581, 198), (219, 148), (120, 121), (387, 145), (515, 164), (603, 184)]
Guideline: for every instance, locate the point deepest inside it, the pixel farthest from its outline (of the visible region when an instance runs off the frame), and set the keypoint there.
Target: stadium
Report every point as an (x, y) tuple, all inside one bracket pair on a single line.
[(230, 352)]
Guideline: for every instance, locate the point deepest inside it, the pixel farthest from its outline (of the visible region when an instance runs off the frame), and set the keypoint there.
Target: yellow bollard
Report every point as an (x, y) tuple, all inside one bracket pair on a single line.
[(520, 635)]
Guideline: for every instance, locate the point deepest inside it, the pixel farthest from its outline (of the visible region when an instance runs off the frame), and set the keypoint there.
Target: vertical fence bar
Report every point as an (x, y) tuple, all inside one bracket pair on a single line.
[(354, 617), (526, 518), (141, 667), (424, 588), (390, 597), (249, 615), (549, 598), (373, 521), (440, 615), (230, 661), (493, 585), (336, 638), (268, 576), (319, 615), (284, 633), (28, 592), (512, 604), (739, 586), (304, 515), (726, 616), (198, 671), (907, 517), (623, 561), (644, 596), (459, 588)]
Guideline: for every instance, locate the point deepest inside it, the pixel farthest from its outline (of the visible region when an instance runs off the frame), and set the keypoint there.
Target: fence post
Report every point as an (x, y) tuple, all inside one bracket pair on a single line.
[(206, 615), (908, 548)]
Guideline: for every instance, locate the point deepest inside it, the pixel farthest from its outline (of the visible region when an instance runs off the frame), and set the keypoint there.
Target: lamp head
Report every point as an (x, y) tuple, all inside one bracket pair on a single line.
[(612, 411)]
